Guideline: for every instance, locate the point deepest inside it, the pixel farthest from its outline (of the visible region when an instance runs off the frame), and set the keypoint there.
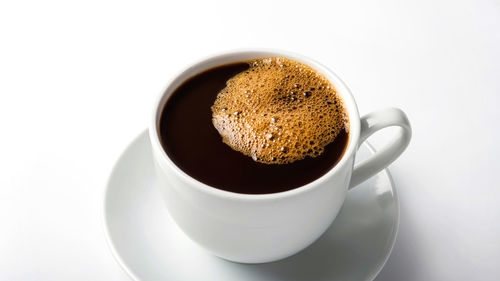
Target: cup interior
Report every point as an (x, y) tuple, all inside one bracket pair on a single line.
[(243, 55)]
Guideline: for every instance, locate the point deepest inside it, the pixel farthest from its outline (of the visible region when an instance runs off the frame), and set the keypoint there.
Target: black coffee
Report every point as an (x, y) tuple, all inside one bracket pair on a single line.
[(190, 139)]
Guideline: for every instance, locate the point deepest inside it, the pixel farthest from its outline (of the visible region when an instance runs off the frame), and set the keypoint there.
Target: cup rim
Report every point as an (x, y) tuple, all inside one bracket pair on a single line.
[(195, 68)]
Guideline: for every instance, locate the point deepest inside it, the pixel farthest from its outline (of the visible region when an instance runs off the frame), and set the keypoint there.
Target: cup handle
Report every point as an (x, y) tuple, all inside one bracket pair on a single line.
[(370, 124)]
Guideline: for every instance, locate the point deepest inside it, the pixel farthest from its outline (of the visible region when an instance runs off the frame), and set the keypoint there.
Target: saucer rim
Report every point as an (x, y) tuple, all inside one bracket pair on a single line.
[(118, 258)]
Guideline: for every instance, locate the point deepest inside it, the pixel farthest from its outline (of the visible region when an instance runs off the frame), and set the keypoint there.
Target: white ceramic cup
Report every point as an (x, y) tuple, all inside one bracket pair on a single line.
[(257, 228)]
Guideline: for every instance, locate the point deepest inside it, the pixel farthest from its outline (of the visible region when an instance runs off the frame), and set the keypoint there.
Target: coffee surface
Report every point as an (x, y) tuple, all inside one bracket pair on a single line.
[(278, 111), (193, 143)]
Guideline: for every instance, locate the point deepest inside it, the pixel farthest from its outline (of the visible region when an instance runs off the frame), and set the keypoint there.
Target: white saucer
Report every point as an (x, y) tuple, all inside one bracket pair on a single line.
[(149, 245)]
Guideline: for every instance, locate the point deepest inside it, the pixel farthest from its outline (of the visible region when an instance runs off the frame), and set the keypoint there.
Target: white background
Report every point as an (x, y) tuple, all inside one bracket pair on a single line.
[(78, 80)]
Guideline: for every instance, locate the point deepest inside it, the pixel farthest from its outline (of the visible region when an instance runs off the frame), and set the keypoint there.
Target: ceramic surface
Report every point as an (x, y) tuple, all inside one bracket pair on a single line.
[(150, 246)]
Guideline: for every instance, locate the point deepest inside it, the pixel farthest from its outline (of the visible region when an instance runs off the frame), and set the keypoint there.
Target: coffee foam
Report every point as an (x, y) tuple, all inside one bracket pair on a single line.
[(279, 111)]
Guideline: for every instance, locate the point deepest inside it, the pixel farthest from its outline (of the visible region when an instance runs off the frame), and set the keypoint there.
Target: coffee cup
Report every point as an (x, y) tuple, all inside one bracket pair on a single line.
[(258, 228)]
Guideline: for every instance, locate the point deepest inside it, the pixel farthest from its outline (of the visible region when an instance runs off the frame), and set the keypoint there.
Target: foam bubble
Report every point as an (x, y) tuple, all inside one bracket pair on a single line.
[(279, 111)]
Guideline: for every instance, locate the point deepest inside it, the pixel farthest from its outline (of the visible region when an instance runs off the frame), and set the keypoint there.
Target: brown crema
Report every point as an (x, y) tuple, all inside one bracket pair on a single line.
[(191, 141), (279, 111)]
